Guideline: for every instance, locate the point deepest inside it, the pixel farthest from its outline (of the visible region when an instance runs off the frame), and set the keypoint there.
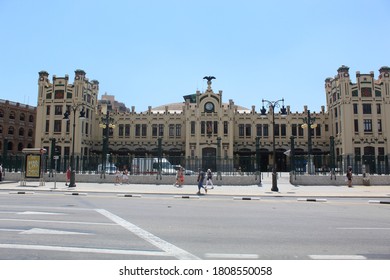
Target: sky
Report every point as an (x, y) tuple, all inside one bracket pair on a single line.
[(151, 53)]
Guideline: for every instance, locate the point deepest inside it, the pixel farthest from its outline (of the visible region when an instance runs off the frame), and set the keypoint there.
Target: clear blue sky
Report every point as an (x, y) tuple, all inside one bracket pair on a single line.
[(153, 52)]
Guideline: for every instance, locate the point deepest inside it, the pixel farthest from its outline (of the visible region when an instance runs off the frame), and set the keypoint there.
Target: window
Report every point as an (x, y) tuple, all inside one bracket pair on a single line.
[(335, 112), (171, 130), (378, 109), (192, 128), (225, 127), (127, 130), (366, 108), (318, 130), (48, 110), (248, 130), (11, 130), (58, 110), (59, 94), (355, 108), (300, 131), (22, 117), (294, 129), (380, 126), (121, 130), (57, 126), (12, 115), (276, 130), (366, 92), (1, 114), (31, 118), (265, 130), (154, 130), (21, 131), (367, 125), (137, 130), (160, 130), (356, 125), (241, 130), (259, 128), (178, 130), (283, 130)]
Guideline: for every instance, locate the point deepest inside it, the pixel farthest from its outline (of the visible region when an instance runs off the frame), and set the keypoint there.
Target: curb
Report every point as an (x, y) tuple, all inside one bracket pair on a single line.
[(379, 202), (312, 199)]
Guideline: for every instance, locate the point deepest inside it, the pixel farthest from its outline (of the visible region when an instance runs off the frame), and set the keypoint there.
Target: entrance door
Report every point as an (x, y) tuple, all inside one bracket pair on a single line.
[(209, 159)]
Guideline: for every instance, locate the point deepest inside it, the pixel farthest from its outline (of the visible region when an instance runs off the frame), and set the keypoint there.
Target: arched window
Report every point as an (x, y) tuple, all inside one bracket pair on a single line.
[(11, 130), (1, 129), (22, 117), (12, 115), (1, 114), (20, 147), (31, 118), (21, 131), (30, 133)]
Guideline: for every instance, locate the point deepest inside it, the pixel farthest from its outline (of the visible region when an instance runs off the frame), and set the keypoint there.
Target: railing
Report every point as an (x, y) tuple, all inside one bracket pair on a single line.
[(237, 165)]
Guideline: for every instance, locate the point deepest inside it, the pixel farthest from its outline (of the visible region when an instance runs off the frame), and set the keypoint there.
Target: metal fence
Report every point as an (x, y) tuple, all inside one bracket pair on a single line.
[(247, 165)]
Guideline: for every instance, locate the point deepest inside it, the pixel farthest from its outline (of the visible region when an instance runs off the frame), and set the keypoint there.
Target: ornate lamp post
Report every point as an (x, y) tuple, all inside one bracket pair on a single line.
[(272, 105), (106, 123), (74, 108), (309, 124)]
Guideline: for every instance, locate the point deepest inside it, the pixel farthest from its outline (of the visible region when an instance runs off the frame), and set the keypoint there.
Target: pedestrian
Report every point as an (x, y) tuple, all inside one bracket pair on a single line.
[(68, 172), (179, 178), (349, 177), (118, 177), (200, 181), (125, 176), (1, 172), (209, 179)]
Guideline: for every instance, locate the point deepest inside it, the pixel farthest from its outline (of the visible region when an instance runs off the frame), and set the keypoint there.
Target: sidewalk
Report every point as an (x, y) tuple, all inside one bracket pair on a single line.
[(284, 186)]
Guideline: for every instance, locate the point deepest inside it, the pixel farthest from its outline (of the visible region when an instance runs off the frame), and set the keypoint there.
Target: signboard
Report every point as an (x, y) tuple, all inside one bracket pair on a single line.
[(33, 166)]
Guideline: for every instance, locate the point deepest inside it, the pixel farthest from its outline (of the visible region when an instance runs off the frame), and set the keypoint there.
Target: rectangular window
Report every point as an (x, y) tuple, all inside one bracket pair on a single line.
[(144, 129), (192, 128), (202, 128), (225, 127), (265, 130), (248, 130), (171, 130), (57, 126), (216, 127), (259, 128), (241, 131), (178, 130), (137, 130), (366, 108), (48, 110), (127, 130), (276, 130), (283, 130), (121, 130), (58, 110), (161, 130), (47, 126), (59, 94), (380, 126), (294, 128), (300, 131), (367, 125), (378, 109), (355, 108), (154, 130), (356, 126)]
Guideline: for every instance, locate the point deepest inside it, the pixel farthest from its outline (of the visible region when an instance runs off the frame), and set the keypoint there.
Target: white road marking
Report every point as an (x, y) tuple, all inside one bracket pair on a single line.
[(337, 257), (147, 236), (59, 222), (50, 231), (84, 250), (231, 256), (368, 228), (39, 213)]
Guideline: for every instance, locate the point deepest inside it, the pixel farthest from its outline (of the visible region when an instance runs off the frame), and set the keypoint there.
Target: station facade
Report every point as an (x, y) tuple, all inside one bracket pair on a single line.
[(203, 125)]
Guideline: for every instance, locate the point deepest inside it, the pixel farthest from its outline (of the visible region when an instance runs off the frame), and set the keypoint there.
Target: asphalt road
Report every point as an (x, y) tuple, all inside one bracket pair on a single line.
[(164, 227)]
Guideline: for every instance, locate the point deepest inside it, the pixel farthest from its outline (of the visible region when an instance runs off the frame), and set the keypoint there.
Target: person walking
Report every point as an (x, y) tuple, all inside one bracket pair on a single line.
[(349, 177), (67, 176), (118, 177), (200, 180), (179, 178), (125, 176), (209, 179), (1, 172)]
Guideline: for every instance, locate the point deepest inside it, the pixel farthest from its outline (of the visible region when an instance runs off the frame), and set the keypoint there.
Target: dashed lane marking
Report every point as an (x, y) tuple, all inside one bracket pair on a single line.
[(337, 257)]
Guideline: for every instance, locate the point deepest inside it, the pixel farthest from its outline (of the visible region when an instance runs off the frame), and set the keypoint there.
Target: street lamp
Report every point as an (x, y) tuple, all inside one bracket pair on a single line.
[(107, 122), (309, 124), (81, 117), (272, 105)]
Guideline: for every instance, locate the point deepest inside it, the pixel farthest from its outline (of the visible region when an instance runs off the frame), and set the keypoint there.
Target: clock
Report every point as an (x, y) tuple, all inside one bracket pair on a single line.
[(209, 107)]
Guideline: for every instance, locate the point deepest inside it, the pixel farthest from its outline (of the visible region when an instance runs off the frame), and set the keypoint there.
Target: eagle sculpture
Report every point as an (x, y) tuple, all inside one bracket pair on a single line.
[(208, 78)]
